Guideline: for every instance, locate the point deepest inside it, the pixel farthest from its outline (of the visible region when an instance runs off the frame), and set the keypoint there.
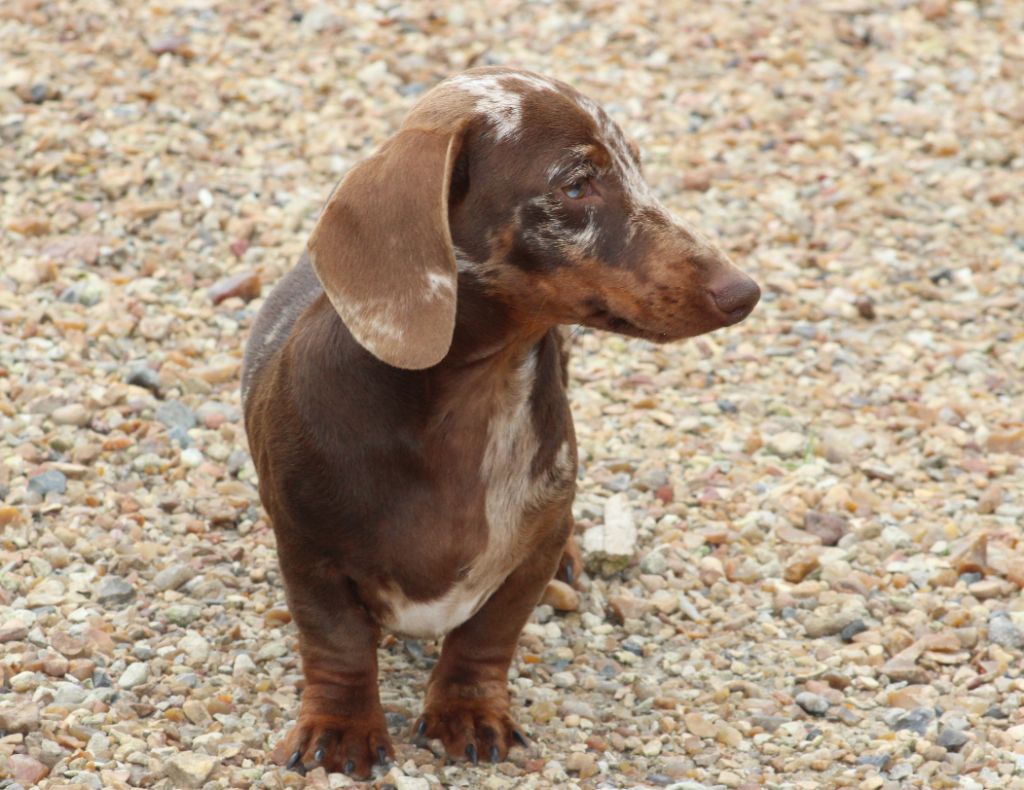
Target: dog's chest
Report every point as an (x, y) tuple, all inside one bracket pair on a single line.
[(516, 498)]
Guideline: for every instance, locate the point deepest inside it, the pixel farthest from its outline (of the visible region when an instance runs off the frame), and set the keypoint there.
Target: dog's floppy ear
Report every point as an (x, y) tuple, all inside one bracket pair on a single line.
[(383, 251)]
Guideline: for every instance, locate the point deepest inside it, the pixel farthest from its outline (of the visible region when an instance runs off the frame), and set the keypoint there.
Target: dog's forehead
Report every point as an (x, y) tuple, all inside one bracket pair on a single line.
[(505, 97)]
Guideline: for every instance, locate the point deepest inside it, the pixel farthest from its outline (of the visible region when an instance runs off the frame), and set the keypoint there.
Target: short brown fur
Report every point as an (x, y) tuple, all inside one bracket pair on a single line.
[(405, 393)]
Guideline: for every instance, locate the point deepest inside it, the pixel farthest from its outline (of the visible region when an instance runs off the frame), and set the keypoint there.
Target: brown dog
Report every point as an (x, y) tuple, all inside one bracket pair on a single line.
[(405, 392)]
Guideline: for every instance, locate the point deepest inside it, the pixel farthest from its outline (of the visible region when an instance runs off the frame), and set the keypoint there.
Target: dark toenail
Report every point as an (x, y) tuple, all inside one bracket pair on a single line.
[(293, 760), (318, 755), (494, 754), (520, 738), (569, 575), (472, 755), (350, 767), (382, 755), (421, 729)]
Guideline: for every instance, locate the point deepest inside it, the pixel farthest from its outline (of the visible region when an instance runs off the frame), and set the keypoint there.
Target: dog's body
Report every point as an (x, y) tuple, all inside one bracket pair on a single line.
[(405, 392)]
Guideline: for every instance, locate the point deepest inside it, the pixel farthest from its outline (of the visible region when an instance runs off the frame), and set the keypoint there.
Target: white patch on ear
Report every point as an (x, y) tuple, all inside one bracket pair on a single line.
[(440, 285)]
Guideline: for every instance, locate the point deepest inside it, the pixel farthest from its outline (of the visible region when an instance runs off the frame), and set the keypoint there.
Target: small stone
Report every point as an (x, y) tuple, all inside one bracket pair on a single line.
[(134, 675), (49, 481), (934, 9), (851, 629), (143, 376), (817, 626), (72, 414), (26, 770), (697, 725), (195, 647), (23, 717), (582, 763), (952, 740), (916, 720), (561, 596), (244, 665), (1004, 633), (610, 547), (815, 704), (879, 761), (173, 576), (798, 568), (628, 607), (786, 444), (245, 286), (866, 307), (48, 592), (830, 527), (174, 44), (176, 415), (182, 614), (698, 180), (188, 769), (113, 590)]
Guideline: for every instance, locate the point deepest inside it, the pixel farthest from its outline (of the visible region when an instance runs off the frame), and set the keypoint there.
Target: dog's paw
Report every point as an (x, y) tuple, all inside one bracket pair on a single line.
[(338, 743), (471, 729)]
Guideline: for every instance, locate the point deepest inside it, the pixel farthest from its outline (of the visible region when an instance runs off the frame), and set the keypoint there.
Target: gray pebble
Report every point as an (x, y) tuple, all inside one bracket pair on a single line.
[(852, 629), (49, 482), (143, 376), (176, 415), (1003, 632), (916, 720), (113, 590), (879, 761), (815, 704), (952, 740)]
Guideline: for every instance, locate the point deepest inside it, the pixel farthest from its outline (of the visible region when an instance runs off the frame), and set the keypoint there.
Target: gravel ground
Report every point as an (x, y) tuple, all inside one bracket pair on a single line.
[(823, 509)]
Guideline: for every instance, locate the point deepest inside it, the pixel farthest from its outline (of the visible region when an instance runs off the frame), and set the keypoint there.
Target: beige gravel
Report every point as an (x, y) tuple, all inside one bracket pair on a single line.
[(828, 500)]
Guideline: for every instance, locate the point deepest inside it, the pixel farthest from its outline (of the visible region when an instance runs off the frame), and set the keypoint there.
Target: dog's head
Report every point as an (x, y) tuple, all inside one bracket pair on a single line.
[(529, 187)]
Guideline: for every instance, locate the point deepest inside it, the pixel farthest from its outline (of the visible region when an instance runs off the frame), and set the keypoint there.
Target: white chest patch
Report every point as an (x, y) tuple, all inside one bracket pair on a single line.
[(511, 491)]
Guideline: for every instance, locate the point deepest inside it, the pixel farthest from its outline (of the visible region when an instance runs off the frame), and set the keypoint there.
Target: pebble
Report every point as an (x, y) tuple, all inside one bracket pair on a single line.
[(49, 481), (72, 414), (143, 376), (610, 547), (134, 675), (245, 286), (113, 590), (19, 716), (1003, 632), (951, 740), (561, 596), (917, 720), (26, 770), (188, 769), (815, 704), (786, 443)]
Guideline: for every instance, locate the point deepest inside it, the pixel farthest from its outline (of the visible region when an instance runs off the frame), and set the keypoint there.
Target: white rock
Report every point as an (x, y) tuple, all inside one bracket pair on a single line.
[(134, 675), (195, 647), (609, 547), (189, 769), (787, 443)]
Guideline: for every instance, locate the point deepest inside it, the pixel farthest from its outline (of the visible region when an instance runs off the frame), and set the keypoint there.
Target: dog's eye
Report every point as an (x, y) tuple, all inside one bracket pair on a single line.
[(577, 189)]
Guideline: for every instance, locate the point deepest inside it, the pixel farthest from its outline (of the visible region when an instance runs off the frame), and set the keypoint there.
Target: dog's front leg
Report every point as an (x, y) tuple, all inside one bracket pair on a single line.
[(467, 704), (341, 724)]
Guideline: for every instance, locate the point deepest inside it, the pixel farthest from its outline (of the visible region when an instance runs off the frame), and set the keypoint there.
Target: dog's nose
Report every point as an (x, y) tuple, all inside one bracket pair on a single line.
[(735, 297)]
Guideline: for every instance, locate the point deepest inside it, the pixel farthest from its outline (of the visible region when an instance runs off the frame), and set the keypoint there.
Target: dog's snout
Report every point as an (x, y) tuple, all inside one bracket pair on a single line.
[(735, 297)]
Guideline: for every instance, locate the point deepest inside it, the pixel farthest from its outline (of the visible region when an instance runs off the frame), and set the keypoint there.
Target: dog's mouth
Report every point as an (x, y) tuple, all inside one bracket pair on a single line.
[(611, 322)]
